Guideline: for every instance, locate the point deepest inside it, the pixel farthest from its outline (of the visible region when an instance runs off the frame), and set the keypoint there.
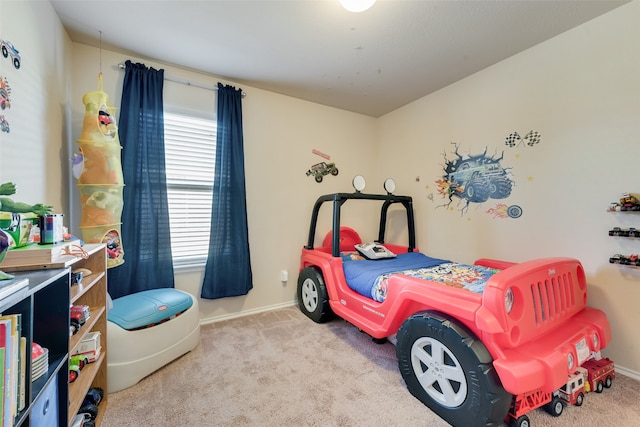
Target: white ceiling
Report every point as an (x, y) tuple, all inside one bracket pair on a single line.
[(370, 63)]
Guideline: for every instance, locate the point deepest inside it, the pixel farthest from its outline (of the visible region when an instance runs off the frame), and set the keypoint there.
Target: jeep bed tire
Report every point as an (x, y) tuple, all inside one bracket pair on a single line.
[(313, 299), (450, 371)]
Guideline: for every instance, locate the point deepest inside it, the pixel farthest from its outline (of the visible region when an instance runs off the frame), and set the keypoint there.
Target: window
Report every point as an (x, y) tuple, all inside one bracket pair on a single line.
[(190, 153)]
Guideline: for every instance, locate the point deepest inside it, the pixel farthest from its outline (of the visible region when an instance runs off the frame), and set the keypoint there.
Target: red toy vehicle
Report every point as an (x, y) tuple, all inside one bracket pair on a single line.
[(465, 347), (600, 373), (78, 315), (573, 391)]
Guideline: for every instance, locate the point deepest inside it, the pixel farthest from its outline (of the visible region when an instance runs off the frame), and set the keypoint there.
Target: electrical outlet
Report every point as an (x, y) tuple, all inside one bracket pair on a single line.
[(284, 275)]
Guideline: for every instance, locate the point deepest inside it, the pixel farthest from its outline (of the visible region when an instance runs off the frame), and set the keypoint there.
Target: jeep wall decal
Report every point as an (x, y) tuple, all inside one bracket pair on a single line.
[(474, 179), (319, 170)]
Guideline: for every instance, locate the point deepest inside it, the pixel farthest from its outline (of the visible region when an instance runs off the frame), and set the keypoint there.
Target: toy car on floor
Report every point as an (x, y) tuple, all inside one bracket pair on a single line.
[(472, 341), (600, 373)]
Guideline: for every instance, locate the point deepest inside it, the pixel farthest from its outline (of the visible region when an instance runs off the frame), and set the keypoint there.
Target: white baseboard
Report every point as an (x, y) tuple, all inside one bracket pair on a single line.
[(246, 313), (627, 372)]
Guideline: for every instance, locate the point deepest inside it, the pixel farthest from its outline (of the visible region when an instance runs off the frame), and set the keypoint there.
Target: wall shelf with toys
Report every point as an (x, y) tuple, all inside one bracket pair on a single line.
[(628, 203)]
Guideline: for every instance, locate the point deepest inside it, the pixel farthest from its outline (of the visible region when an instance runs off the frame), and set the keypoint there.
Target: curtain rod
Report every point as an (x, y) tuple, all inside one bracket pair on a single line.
[(184, 82)]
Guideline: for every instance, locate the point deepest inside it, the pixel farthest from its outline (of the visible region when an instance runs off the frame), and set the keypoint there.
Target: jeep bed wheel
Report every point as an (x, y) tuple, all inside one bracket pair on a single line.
[(313, 299), (450, 371)]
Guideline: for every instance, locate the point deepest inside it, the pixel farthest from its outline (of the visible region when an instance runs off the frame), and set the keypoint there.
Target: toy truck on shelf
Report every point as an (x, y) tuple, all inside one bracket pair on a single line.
[(78, 315), (468, 356)]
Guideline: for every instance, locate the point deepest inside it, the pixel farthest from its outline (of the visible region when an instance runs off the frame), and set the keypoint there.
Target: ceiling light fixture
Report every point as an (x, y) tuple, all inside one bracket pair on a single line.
[(357, 5)]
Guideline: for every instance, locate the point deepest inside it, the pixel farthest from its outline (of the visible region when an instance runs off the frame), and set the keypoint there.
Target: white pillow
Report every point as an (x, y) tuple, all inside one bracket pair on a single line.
[(373, 250)]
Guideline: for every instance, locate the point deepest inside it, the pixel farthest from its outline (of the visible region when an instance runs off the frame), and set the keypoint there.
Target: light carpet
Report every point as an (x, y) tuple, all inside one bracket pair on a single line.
[(281, 369)]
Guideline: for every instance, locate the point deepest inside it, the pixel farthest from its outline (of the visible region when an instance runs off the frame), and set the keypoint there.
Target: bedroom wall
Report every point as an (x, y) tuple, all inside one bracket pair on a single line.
[(33, 148), (580, 90), (280, 133)]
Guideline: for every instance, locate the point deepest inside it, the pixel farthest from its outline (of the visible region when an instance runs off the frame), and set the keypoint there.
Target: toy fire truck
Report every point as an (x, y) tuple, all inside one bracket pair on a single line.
[(594, 375), (600, 373)]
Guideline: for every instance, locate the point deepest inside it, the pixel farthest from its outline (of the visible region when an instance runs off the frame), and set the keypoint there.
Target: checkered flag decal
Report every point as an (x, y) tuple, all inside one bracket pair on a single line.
[(513, 139), (532, 138)]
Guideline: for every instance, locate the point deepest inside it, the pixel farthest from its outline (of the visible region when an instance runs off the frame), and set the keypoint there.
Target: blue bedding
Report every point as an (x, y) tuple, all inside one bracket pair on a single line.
[(361, 275)]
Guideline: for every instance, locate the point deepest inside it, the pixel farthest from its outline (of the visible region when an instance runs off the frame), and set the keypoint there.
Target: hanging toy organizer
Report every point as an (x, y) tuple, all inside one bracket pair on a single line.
[(100, 181)]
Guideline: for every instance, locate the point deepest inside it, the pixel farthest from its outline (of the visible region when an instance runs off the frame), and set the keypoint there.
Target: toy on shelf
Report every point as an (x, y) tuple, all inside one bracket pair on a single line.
[(624, 232), (78, 315), (628, 202), (4, 248), (100, 176), (632, 259), (16, 222)]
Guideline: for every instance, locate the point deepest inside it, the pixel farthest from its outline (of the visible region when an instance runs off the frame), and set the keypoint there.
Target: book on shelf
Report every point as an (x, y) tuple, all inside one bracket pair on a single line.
[(22, 374), (5, 342), (2, 363), (12, 362), (9, 287)]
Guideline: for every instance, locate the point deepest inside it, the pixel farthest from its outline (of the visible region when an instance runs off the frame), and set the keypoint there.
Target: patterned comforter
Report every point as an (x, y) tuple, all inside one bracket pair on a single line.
[(470, 277), (371, 278)]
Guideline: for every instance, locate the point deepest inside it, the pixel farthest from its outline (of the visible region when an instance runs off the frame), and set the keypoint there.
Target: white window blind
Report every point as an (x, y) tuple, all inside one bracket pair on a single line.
[(190, 152)]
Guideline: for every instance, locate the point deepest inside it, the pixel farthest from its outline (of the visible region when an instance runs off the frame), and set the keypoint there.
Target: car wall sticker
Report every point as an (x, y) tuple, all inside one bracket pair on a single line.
[(5, 94), (5, 103), (9, 51), (4, 124), (321, 169), (481, 178), (474, 179)]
